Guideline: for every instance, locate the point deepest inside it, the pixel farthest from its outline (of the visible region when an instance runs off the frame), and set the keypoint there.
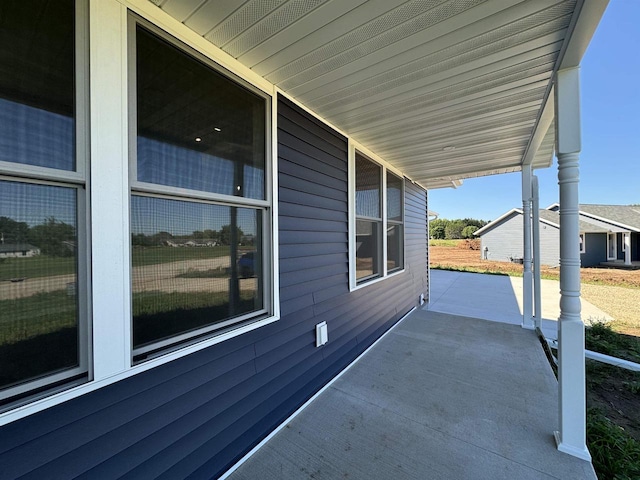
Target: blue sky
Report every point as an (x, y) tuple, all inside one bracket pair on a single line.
[(610, 157)]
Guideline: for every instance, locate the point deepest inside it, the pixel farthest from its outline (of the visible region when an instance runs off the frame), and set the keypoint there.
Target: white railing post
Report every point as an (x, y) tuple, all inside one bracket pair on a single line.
[(571, 438), (535, 220), (527, 276)]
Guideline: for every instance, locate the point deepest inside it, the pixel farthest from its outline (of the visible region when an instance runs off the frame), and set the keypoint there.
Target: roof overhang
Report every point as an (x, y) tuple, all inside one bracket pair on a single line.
[(441, 89)]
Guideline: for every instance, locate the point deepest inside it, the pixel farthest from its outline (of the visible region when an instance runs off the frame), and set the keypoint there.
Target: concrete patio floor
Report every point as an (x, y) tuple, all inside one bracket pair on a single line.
[(439, 397), (499, 298)]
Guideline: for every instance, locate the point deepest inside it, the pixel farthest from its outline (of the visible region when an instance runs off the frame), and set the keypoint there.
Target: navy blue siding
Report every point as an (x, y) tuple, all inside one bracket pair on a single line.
[(595, 250), (198, 415)]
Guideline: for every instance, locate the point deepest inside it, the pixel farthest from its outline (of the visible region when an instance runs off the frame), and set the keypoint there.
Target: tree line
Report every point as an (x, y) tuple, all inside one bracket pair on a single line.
[(220, 237), (443, 229), (52, 237)]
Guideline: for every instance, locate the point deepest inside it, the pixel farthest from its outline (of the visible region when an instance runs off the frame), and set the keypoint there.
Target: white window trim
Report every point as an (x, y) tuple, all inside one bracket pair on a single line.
[(110, 353), (353, 284), (583, 244)]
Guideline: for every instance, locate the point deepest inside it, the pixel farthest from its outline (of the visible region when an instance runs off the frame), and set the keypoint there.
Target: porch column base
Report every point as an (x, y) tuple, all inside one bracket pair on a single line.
[(576, 452)]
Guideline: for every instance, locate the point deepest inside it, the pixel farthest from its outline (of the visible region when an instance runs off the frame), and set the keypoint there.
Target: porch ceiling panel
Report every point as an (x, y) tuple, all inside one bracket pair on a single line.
[(441, 89)]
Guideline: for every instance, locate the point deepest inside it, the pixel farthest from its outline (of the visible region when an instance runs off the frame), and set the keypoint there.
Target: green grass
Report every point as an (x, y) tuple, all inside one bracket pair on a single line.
[(615, 453), (211, 273), (38, 266), (601, 338), (444, 243), (40, 314), (472, 270)]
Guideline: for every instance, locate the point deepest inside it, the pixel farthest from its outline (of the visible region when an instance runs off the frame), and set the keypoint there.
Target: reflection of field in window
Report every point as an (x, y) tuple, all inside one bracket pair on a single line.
[(180, 289), (38, 327)]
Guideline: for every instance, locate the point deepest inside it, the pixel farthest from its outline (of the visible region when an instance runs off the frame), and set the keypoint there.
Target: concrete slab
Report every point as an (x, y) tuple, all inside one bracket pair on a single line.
[(499, 298), (439, 397)]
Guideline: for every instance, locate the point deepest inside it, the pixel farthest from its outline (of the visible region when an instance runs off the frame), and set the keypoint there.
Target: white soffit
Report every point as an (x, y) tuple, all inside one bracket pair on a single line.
[(441, 89)]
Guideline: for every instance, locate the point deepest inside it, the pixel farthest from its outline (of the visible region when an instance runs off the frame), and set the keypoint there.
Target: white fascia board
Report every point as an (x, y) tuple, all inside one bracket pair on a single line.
[(581, 31)]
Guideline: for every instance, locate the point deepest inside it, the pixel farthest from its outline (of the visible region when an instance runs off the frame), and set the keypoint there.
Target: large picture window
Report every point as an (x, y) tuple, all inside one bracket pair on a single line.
[(379, 207), (43, 278), (199, 204)]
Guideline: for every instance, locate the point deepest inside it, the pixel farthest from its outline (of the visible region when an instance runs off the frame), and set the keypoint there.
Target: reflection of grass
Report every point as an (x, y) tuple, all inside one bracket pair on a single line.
[(155, 255), (38, 335), (42, 313), (211, 273), (38, 266), (158, 315)]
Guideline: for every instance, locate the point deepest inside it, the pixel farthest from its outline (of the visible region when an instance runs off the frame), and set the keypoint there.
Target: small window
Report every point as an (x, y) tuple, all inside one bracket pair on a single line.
[(583, 247), (43, 247), (378, 242), (199, 203)]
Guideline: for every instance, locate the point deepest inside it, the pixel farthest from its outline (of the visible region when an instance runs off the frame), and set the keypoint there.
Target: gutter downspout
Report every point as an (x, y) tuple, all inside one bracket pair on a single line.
[(527, 276), (537, 292)]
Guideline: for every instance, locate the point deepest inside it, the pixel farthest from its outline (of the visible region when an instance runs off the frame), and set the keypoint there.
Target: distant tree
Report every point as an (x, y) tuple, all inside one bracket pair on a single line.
[(469, 230), (437, 232), (12, 231), (141, 240), (453, 230), (54, 238), (225, 234)]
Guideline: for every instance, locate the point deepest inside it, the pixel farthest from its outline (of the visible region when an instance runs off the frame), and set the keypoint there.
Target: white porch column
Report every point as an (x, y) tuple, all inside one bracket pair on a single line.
[(626, 242), (571, 438), (527, 277), (535, 220)]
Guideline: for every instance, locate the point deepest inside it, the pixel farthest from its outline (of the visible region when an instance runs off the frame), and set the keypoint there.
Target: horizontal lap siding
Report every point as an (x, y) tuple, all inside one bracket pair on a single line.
[(198, 415)]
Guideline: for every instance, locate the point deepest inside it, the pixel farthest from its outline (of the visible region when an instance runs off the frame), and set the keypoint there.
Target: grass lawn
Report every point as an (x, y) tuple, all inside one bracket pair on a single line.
[(38, 266)]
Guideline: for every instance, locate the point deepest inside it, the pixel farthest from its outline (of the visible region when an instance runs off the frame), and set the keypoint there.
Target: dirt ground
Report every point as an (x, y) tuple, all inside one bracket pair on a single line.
[(459, 257)]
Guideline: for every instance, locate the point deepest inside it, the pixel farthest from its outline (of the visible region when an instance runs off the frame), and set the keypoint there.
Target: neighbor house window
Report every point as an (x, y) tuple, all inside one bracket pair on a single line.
[(583, 247), (199, 203), (43, 275), (378, 246)]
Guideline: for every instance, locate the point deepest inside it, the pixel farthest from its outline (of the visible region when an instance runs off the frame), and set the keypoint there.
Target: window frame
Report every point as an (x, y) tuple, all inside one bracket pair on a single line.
[(583, 242), (354, 283), (265, 208), (78, 180)]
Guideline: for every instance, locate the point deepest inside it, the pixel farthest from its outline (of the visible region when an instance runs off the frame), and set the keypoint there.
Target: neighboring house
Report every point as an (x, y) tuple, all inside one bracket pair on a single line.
[(603, 229), (18, 250), (314, 127)]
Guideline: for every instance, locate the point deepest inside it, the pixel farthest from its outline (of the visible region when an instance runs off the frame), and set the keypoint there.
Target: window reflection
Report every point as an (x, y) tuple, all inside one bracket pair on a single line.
[(38, 281), (194, 265), (197, 129), (368, 244), (37, 83)]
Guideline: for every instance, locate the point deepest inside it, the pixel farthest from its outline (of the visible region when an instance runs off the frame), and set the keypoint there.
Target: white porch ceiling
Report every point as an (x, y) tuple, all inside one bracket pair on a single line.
[(442, 89)]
